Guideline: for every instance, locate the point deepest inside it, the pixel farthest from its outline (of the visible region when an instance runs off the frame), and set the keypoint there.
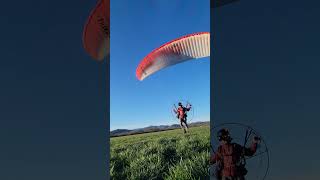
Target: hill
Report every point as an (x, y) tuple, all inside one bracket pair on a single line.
[(149, 129)]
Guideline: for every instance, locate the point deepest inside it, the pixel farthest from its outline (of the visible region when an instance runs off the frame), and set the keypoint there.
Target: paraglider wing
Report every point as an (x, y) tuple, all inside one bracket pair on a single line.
[(185, 48), (96, 34)]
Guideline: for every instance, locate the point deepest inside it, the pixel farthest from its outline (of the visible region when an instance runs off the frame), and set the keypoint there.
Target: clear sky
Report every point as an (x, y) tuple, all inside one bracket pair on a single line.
[(138, 27)]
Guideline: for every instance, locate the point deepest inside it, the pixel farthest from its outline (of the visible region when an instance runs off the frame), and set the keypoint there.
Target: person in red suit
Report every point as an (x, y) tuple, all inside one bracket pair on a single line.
[(229, 157), (181, 113)]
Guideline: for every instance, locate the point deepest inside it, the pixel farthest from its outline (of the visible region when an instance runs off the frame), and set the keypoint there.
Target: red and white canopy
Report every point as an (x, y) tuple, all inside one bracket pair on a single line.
[(96, 34), (192, 46)]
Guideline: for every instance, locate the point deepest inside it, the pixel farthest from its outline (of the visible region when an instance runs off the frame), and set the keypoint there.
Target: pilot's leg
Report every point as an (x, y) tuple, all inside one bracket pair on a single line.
[(186, 125), (182, 126), (185, 121)]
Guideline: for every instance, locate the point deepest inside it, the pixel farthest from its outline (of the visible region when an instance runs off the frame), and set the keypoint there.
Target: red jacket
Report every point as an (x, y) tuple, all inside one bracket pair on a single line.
[(181, 111), (230, 155)]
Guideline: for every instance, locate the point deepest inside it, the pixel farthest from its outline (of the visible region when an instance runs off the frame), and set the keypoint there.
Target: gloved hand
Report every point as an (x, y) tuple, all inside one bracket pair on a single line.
[(256, 139)]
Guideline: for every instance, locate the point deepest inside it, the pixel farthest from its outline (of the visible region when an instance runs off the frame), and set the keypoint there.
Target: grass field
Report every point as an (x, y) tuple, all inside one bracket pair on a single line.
[(161, 155)]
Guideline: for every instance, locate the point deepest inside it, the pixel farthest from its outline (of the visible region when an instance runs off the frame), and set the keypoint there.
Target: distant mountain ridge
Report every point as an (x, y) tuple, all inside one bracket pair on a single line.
[(149, 129)]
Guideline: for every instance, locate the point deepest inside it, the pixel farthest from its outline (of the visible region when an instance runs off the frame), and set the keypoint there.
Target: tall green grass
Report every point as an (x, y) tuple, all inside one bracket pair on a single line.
[(161, 155)]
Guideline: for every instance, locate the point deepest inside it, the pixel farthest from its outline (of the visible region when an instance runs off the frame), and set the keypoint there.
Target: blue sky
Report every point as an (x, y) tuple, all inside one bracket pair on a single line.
[(136, 29)]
